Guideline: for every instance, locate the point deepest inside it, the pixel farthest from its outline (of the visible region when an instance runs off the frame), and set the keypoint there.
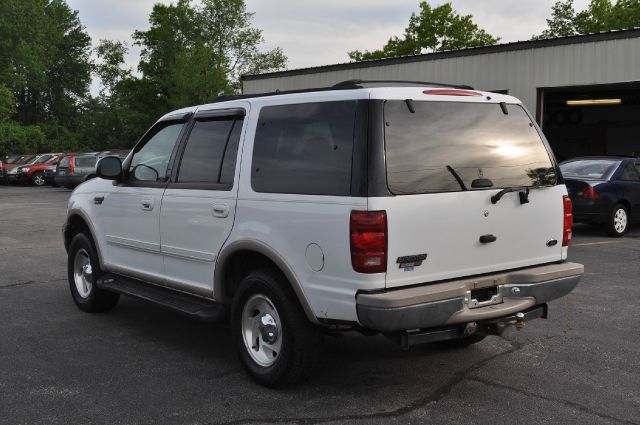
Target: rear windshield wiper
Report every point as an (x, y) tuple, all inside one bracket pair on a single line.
[(523, 192), (457, 177)]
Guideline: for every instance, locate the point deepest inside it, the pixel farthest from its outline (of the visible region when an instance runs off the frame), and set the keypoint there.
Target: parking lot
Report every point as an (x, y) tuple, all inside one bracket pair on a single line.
[(142, 364)]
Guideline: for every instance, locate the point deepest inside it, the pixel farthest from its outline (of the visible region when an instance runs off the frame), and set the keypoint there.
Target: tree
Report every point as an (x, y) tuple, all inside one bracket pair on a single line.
[(194, 53), (562, 21), (109, 67), (600, 15), (433, 29)]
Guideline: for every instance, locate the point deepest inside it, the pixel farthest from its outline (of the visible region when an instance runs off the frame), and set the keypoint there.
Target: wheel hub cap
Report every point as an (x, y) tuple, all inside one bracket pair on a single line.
[(83, 273), (620, 220), (261, 330)]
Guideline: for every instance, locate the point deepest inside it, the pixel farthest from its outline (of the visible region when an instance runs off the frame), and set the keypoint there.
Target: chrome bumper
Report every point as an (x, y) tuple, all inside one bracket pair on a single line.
[(453, 302)]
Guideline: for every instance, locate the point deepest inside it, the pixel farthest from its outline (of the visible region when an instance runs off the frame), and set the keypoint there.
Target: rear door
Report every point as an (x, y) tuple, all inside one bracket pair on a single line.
[(445, 161), (199, 204)]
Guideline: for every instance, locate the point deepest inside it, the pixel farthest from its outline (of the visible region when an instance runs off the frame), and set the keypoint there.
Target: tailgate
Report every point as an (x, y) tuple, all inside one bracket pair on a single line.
[(447, 229), (444, 162)]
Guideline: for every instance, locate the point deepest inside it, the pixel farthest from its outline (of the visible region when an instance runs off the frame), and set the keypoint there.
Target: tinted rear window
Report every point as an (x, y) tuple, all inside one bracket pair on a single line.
[(455, 146), (304, 149), (84, 161), (588, 168)]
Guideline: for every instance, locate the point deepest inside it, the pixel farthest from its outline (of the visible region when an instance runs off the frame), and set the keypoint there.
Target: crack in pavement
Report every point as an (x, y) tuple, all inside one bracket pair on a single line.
[(30, 282), (567, 403), (434, 397)]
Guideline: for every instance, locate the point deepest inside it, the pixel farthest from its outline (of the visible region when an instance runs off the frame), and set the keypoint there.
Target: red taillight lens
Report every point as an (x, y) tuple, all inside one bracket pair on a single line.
[(71, 165), (368, 231), (451, 92), (568, 220), (588, 192)]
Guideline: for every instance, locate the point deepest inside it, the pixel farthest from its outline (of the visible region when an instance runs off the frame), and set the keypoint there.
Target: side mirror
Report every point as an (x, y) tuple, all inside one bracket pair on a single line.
[(109, 168)]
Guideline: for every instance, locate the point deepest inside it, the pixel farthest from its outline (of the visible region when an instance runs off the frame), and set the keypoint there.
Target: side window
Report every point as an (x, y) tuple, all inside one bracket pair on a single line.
[(304, 149), (150, 162), (630, 173), (210, 154), (64, 162)]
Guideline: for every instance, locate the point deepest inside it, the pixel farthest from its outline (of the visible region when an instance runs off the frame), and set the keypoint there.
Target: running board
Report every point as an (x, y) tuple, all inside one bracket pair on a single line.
[(195, 307)]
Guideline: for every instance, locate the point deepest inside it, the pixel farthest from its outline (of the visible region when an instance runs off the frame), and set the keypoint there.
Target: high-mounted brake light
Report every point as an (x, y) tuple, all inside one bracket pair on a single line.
[(568, 220), (451, 92), (368, 234)]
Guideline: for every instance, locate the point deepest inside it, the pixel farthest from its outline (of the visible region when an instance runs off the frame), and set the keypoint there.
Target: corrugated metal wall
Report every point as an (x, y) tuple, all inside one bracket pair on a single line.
[(520, 71)]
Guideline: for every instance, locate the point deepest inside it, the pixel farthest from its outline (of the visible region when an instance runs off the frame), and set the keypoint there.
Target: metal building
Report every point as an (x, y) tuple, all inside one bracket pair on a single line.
[(584, 90)]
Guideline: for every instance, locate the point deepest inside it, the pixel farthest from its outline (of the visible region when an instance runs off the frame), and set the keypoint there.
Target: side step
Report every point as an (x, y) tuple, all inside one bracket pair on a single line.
[(195, 307)]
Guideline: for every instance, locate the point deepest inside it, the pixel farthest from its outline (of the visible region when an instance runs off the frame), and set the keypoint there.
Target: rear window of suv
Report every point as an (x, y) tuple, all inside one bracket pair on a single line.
[(456, 146)]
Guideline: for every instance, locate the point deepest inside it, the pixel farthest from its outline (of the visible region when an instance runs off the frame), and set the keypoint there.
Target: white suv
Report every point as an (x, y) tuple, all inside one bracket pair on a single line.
[(433, 213)]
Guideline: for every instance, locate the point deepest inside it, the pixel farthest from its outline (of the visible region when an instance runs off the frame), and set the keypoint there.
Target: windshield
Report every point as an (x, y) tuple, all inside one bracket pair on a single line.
[(456, 146), (43, 159), (11, 159), (588, 168)]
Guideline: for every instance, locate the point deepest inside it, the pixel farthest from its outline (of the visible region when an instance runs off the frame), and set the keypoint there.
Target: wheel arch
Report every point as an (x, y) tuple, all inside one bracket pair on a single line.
[(226, 277), (77, 222)]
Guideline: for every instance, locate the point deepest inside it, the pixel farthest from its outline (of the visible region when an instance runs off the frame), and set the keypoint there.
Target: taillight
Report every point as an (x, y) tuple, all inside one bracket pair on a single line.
[(451, 92), (71, 165), (568, 220), (588, 192), (368, 231)]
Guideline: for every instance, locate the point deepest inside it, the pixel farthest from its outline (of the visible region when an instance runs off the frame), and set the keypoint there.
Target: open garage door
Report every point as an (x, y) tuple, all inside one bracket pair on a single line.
[(592, 120)]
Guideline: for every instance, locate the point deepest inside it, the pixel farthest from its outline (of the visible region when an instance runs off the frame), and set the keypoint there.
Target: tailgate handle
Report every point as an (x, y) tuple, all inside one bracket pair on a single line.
[(487, 238)]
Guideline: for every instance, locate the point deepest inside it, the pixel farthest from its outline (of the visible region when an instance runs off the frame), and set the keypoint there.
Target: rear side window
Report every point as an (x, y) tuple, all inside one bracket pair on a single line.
[(630, 173), (304, 149), (84, 161), (210, 154), (456, 146)]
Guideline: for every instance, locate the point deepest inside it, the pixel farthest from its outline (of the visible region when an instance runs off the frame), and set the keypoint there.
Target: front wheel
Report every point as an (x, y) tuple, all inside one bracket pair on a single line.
[(276, 343), (618, 221), (83, 270), (38, 179)]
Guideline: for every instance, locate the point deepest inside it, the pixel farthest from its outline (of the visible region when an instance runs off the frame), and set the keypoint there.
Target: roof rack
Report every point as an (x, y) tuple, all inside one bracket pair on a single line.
[(343, 85), (359, 84)]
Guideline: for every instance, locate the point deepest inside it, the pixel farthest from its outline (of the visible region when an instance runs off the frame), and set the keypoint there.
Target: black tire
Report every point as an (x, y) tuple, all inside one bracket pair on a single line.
[(618, 222), (300, 339), (464, 341), (37, 179), (96, 300)]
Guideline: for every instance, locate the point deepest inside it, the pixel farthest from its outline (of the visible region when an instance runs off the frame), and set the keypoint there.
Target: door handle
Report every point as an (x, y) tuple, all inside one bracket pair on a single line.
[(220, 210), (487, 238), (147, 204)]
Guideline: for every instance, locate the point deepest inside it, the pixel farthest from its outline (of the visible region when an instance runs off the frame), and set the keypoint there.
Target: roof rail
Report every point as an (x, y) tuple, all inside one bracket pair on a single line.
[(344, 85), (359, 84)]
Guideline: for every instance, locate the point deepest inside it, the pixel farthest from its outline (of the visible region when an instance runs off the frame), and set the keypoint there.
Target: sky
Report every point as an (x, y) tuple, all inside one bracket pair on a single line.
[(321, 32)]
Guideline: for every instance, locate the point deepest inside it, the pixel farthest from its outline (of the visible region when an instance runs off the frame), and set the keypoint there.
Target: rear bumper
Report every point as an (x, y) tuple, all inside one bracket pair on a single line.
[(451, 303)]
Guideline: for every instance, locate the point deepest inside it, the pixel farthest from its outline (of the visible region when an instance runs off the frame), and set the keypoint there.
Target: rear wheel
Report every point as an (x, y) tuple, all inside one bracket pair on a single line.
[(618, 221), (38, 179), (276, 343), (83, 270)]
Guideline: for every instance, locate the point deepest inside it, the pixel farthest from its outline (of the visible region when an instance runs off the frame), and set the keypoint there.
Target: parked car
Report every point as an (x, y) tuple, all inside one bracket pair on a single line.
[(12, 161), (604, 190), (423, 213), (34, 173), (75, 169), (49, 174), (11, 176)]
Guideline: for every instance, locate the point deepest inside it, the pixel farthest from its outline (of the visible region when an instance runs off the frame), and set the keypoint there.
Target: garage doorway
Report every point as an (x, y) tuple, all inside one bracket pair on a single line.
[(592, 120)]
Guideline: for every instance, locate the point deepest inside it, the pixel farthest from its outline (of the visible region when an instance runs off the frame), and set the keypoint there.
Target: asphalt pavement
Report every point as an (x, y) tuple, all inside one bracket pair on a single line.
[(139, 364)]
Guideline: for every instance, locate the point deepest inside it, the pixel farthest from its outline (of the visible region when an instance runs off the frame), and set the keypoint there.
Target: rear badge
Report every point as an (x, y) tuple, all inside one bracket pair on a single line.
[(409, 262)]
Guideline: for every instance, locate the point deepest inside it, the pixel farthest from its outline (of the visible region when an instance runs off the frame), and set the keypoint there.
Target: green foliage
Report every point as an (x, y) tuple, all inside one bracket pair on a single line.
[(433, 29), (190, 54), (600, 15)]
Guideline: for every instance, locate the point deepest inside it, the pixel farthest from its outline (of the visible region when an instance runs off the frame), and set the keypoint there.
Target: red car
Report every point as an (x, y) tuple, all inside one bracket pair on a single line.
[(12, 161), (34, 173)]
